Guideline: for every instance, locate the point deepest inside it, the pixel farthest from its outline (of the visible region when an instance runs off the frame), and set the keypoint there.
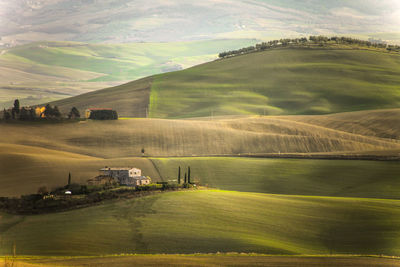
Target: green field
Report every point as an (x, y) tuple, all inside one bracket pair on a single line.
[(280, 81), (275, 82), (211, 221), (273, 206), (45, 71), (37, 154), (345, 178)]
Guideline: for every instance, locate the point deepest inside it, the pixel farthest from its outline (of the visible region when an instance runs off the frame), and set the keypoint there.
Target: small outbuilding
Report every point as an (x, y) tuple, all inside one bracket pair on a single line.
[(101, 114)]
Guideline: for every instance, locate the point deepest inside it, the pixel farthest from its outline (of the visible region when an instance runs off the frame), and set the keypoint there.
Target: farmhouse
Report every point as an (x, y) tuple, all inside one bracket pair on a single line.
[(123, 176), (101, 114), (102, 180)]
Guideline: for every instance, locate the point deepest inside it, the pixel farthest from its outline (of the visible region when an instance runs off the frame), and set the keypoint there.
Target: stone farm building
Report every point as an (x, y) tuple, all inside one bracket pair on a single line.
[(122, 176), (101, 114)]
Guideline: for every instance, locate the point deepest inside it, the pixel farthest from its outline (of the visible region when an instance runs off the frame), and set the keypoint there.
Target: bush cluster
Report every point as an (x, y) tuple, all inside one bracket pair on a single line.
[(50, 112), (82, 196)]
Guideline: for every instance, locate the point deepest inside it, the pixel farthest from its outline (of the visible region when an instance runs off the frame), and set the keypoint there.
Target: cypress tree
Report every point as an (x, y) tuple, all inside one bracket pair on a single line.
[(69, 179), (179, 175), (185, 178), (189, 174), (16, 106)]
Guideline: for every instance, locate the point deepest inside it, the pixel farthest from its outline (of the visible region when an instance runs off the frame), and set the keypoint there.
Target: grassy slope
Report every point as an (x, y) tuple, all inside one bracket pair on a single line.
[(23, 169), (60, 69), (129, 99), (290, 176), (125, 138), (207, 260), (26, 149), (280, 81), (381, 123), (211, 221), (125, 61)]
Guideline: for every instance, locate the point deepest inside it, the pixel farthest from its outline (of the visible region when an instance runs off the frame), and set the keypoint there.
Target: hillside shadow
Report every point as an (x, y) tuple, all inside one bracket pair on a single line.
[(361, 231)]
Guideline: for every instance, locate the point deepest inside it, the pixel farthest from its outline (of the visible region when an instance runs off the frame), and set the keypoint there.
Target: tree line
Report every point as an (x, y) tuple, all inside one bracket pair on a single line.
[(312, 40), (47, 112), (55, 200)]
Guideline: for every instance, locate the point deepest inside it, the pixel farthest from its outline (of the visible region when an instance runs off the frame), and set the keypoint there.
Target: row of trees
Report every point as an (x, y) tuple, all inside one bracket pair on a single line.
[(187, 176), (35, 113), (312, 40)]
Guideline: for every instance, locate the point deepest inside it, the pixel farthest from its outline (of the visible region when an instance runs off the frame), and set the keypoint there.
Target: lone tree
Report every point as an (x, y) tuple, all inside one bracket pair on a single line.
[(69, 179), (189, 175), (15, 109), (142, 152), (16, 106), (179, 175)]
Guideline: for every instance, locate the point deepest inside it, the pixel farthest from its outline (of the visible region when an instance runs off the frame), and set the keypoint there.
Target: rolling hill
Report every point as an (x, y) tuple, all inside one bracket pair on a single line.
[(46, 71), (117, 21), (201, 137), (275, 82), (282, 81), (83, 147), (344, 178), (280, 206), (210, 221)]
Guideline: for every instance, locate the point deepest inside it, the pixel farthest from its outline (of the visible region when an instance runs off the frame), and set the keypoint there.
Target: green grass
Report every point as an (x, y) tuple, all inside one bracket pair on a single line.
[(57, 70), (37, 154), (211, 221), (128, 99), (123, 61), (290, 176), (280, 81), (275, 82), (25, 168)]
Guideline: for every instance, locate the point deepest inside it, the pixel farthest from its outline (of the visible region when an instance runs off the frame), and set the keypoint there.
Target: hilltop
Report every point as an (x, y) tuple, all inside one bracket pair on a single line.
[(279, 81)]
